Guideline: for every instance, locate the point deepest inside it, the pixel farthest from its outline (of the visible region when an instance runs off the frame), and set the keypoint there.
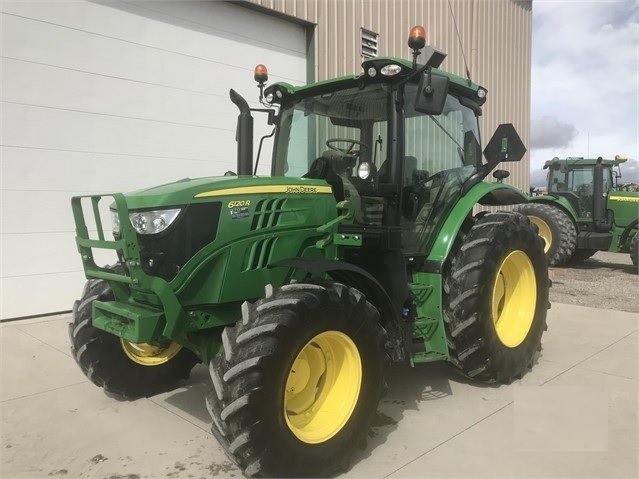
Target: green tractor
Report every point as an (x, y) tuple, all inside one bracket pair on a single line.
[(299, 288), (584, 210)]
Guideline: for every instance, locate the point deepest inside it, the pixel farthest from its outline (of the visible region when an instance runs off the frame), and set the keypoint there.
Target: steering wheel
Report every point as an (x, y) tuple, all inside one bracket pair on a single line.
[(347, 151)]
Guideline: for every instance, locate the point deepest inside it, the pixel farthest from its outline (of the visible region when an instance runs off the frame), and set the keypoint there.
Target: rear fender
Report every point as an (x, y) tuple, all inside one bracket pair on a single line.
[(487, 194)]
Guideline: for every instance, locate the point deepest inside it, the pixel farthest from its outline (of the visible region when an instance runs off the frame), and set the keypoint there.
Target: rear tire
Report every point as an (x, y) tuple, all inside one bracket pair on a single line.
[(124, 369), (556, 229), (634, 248), (496, 298), (278, 406)]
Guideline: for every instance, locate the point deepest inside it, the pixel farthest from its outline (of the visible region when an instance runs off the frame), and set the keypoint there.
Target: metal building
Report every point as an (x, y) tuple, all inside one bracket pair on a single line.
[(103, 95), (495, 36)]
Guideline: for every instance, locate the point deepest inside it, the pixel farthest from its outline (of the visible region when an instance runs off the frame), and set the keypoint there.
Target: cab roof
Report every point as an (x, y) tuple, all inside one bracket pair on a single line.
[(581, 161), (282, 90)]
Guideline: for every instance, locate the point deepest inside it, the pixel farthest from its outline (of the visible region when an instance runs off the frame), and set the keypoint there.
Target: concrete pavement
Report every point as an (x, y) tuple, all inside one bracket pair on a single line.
[(574, 415)]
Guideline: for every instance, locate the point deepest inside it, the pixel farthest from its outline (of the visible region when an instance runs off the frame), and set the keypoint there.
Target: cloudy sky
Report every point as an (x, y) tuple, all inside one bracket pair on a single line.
[(585, 81)]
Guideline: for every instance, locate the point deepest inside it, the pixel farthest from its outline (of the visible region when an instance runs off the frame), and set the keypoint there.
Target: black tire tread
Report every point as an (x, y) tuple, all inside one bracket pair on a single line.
[(474, 347), (103, 361), (560, 252), (239, 376)]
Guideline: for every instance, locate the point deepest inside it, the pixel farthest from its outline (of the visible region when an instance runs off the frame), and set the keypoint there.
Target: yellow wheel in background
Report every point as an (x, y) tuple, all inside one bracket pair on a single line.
[(323, 387), (148, 354), (514, 299), (544, 231), (555, 226)]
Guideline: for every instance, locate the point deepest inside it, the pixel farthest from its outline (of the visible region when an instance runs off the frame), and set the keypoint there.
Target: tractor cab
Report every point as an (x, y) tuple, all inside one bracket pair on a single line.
[(586, 185), (395, 166), (400, 142)]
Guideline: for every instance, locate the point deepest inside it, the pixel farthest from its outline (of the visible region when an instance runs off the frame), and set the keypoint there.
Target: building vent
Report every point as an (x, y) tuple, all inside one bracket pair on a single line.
[(370, 40)]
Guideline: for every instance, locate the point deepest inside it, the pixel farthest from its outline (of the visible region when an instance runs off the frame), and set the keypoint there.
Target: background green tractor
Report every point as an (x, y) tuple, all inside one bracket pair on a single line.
[(297, 289), (584, 210)]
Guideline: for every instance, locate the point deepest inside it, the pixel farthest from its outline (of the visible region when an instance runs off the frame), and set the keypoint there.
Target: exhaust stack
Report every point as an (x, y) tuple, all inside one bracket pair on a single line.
[(243, 135)]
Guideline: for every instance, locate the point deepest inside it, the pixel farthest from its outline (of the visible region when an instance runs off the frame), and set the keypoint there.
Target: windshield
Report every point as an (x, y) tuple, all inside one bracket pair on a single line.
[(312, 127), (443, 142)]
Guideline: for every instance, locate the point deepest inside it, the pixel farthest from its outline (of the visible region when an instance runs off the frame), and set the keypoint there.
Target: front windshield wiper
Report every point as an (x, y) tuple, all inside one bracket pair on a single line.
[(460, 148)]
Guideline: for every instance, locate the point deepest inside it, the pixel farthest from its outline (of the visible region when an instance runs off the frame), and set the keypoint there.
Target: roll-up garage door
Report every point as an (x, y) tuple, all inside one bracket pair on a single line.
[(116, 96)]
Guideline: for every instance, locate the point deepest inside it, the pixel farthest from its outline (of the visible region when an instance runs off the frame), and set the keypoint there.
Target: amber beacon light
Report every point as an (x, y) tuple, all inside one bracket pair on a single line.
[(417, 37), (260, 74)]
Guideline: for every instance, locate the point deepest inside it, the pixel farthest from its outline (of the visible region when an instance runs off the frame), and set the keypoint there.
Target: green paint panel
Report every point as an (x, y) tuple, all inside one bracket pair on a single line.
[(132, 322), (450, 229), (625, 206)]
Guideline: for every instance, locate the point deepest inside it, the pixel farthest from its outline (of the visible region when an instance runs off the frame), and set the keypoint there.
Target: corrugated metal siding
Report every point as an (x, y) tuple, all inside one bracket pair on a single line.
[(495, 34)]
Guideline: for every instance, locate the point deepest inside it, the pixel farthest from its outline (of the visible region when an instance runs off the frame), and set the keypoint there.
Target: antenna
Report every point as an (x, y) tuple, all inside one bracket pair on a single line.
[(461, 47)]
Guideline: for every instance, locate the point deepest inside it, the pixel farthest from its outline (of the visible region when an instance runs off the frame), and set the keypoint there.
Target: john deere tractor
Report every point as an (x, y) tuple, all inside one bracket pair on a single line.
[(584, 210), (297, 289)]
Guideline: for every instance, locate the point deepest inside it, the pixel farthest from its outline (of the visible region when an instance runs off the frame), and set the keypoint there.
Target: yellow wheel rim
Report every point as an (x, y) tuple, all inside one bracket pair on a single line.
[(544, 231), (514, 299), (323, 387), (148, 354)]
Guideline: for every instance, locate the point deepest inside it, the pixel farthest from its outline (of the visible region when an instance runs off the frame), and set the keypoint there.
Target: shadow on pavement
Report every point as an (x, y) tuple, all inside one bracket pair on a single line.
[(594, 263), (191, 397), (407, 389)]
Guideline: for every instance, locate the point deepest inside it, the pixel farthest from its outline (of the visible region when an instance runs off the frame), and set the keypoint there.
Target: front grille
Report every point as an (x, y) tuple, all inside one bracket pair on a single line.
[(164, 254)]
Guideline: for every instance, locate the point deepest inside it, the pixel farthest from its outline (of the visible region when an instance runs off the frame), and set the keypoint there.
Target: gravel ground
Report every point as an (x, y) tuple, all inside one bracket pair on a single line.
[(605, 281)]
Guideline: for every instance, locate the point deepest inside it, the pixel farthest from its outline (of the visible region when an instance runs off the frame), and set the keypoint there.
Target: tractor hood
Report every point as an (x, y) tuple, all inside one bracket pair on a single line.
[(187, 191)]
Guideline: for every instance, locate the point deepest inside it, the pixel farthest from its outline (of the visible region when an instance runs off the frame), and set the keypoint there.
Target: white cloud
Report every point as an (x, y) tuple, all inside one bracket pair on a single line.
[(585, 74), (549, 132)]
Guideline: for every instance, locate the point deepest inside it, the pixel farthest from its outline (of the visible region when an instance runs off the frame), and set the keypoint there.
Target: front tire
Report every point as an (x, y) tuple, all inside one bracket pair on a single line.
[(496, 299), (297, 388), (634, 248), (124, 369), (556, 229)]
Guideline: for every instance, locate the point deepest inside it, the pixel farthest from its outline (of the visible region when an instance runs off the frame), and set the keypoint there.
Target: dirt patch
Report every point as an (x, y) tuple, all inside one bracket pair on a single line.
[(605, 281)]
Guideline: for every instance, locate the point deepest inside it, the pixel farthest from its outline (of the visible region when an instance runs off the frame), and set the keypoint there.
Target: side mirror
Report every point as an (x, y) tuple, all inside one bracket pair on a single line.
[(505, 145), (431, 93)]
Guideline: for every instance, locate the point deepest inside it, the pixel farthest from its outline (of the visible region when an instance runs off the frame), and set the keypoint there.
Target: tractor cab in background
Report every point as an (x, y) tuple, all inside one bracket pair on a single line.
[(585, 210)]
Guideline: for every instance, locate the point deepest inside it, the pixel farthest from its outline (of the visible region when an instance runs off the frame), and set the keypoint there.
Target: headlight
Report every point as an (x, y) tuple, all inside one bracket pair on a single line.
[(152, 222), (115, 221), (364, 170), (147, 222), (390, 70)]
